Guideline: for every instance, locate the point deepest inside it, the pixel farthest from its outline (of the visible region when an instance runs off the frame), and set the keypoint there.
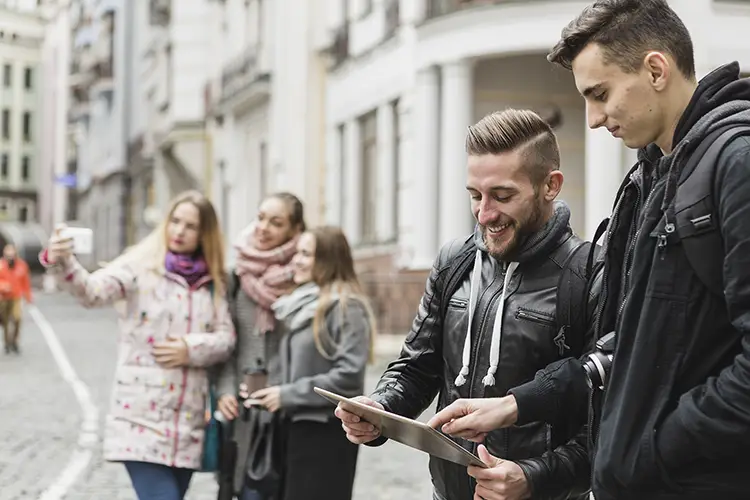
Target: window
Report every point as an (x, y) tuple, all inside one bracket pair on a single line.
[(6, 124), (25, 168), (7, 76), (27, 126), (369, 158), (4, 166), (23, 213), (28, 78)]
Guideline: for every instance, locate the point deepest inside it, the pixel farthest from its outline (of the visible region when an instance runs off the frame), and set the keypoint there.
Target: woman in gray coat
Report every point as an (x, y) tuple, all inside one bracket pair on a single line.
[(262, 274), (328, 330)]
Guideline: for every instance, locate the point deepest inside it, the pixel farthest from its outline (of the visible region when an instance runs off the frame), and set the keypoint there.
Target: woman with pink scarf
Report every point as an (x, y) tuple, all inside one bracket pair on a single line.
[(262, 274)]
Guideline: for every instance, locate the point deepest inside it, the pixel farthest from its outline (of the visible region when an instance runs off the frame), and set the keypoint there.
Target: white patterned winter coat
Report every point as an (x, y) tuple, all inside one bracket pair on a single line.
[(157, 414)]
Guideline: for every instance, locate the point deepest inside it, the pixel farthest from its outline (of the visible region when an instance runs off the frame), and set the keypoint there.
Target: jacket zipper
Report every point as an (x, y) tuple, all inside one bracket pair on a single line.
[(534, 317), (631, 249), (474, 358), (183, 389)]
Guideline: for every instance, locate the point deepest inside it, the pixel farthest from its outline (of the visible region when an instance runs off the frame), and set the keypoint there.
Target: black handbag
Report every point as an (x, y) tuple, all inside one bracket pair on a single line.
[(264, 461)]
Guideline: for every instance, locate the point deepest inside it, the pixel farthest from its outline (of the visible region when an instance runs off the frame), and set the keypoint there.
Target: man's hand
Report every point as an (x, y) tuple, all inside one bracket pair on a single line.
[(358, 431), (472, 419), (503, 480)]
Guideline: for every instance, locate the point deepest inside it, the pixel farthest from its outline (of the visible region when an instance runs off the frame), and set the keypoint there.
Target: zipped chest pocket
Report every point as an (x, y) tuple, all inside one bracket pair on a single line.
[(457, 303), (537, 317)]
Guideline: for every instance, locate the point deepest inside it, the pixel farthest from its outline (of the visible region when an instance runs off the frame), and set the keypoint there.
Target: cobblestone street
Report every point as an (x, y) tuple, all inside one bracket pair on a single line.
[(41, 417)]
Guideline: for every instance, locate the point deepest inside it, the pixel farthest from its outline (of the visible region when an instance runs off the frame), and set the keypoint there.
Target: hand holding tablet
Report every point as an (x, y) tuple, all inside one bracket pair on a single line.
[(404, 430)]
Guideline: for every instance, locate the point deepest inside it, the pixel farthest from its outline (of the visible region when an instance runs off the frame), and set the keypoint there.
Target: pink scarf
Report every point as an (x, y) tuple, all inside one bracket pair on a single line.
[(265, 275)]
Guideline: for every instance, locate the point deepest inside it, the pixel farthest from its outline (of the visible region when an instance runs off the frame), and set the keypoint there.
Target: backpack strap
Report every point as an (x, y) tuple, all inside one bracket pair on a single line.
[(573, 286), (695, 209), (457, 271)]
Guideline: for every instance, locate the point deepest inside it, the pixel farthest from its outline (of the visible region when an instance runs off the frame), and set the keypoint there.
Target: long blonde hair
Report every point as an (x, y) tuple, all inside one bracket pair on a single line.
[(333, 271), (150, 252)]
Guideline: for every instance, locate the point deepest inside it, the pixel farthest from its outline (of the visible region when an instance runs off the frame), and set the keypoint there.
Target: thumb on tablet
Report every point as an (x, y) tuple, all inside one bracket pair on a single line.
[(485, 457)]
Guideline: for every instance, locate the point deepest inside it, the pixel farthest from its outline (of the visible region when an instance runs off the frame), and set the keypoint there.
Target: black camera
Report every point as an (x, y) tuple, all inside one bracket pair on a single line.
[(598, 363)]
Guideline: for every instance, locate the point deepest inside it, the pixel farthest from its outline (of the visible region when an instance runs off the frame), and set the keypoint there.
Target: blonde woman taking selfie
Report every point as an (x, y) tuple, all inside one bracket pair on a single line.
[(328, 329), (174, 323)]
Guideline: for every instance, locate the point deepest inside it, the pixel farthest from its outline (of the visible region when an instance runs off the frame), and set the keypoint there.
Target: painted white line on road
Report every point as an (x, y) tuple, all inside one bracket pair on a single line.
[(87, 437)]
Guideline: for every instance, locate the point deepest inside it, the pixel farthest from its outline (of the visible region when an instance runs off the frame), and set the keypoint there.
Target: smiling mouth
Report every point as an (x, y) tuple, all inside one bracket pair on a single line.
[(496, 230)]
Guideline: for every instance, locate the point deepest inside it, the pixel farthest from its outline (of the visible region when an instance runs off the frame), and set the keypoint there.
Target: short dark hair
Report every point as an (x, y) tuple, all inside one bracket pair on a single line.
[(627, 30), (513, 129)]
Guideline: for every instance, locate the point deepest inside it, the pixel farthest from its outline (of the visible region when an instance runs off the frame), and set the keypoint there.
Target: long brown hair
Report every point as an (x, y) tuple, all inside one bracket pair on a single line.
[(151, 251), (333, 271)]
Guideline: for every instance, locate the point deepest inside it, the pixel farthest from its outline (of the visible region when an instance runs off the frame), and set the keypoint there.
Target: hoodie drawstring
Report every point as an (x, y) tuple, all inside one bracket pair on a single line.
[(476, 276), (489, 379)]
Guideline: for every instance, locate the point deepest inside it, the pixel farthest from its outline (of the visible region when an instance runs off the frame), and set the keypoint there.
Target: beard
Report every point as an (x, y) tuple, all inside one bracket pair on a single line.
[(522, 229)]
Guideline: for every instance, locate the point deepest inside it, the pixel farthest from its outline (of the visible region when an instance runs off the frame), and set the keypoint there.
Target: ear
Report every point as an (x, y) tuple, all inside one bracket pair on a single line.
[(553, 185), (659, 69)]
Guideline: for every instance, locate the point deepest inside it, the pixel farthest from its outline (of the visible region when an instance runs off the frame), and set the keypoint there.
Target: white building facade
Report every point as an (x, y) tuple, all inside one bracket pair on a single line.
[(411, 75), (57, 166), (175, 69), (265, 105), (21, 40)]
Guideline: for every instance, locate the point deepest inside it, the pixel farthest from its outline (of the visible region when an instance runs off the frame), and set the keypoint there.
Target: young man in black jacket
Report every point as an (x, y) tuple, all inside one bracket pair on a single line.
[(675, 421), (498, 323)]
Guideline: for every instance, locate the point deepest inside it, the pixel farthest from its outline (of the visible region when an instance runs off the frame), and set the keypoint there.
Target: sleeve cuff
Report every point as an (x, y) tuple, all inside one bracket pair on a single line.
[(379, 441), (532, 400), (194, 345), (43, 259), (285, 395)]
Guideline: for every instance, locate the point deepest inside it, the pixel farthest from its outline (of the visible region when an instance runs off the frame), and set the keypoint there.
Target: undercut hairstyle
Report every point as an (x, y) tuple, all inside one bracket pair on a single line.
[(627, 30), (517, 129)]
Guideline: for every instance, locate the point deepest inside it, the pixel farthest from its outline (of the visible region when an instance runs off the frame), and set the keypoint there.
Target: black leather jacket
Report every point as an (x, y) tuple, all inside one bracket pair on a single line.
[(553, 457)]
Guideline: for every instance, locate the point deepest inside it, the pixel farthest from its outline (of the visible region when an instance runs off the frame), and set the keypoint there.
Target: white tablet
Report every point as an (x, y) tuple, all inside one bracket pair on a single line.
[(407, 431)]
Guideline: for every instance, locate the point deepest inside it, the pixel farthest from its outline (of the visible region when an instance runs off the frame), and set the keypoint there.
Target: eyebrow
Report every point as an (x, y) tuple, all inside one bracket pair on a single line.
[(589, 90), (507, 189)]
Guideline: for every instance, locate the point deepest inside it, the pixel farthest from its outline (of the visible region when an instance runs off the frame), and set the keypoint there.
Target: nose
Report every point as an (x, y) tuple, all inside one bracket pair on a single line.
[(485, 214), (595, 116)]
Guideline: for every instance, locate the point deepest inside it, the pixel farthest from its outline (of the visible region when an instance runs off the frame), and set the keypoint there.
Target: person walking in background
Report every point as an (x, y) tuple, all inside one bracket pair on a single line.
[(328, 329), (15, 285), (263, 272), (174, 323)]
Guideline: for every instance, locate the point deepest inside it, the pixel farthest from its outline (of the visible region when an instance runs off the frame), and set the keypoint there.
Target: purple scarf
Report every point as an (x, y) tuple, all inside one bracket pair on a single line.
[(190, 267)]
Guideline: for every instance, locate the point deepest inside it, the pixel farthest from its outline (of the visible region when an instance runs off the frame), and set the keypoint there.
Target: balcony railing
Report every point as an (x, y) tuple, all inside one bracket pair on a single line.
[(241, 71), (437, 8)]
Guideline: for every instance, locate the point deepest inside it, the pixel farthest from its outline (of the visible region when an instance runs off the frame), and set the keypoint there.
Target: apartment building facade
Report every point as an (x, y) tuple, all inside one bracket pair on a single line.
[(410, 75)]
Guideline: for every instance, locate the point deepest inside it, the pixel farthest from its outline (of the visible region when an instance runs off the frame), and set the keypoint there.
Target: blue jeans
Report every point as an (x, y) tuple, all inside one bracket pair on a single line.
[(158, 482)]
